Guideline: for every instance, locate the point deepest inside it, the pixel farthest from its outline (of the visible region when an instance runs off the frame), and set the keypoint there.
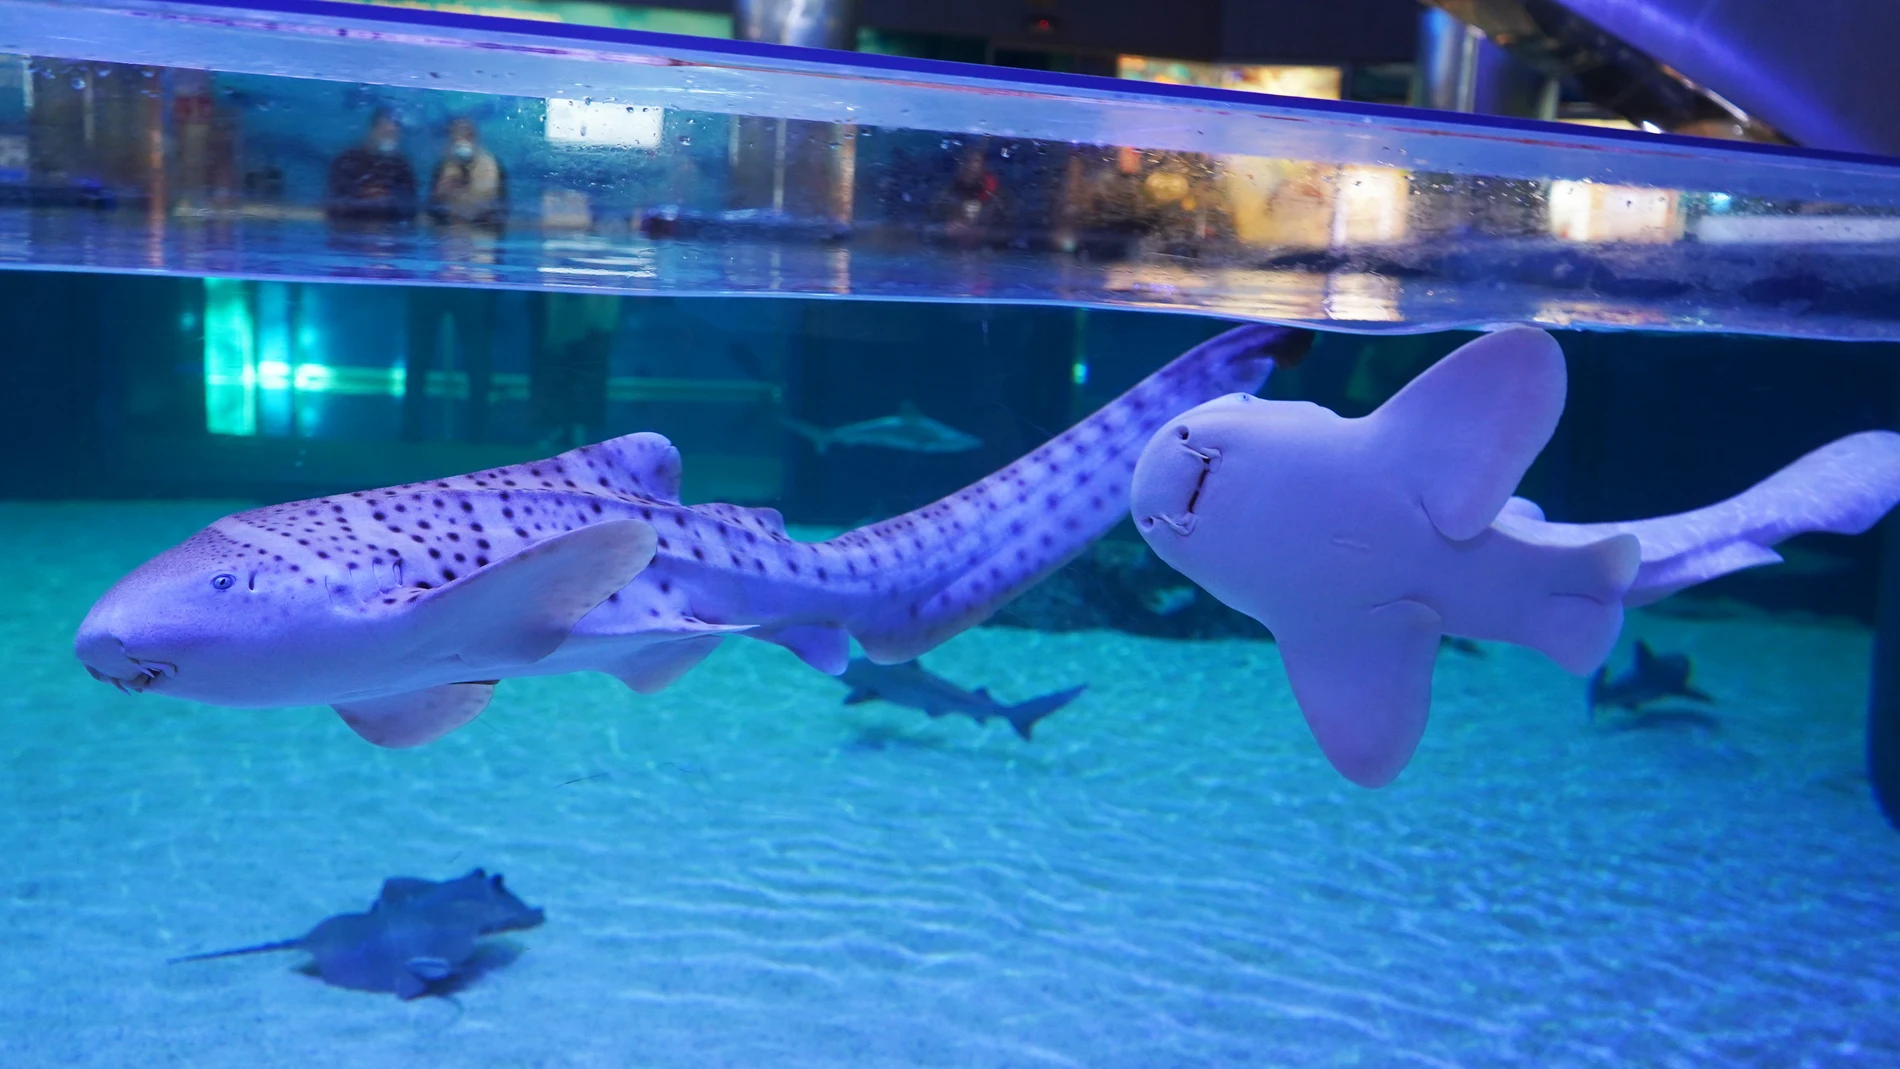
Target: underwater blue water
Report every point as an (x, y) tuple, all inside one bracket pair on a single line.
[(744, 871), (741, 870)]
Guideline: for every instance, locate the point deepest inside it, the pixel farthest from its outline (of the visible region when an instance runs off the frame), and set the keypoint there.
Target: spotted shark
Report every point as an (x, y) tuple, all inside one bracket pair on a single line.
[(404, 607)]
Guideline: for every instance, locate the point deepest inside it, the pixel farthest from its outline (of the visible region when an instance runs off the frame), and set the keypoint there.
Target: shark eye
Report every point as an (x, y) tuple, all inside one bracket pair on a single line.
[(223, 581), (1181, 433)]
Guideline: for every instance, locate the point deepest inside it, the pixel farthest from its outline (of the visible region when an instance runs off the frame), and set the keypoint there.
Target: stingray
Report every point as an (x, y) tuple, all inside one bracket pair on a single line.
[(1360, 542), (419, 937)]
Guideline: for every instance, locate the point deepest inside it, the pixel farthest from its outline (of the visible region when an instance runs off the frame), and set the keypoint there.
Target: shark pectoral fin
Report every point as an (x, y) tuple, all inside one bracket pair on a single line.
[(1471, 424), (1365, 687), (419, 716), (520, 609), (655, 668), (1578, 614), (1522, 508), (825, 647)]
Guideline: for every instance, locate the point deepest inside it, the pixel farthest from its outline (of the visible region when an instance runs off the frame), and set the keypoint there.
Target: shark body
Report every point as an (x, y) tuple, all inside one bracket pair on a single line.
[(1651, 677), (913, 685), (403, 607), (1360, 543), (909, 431)]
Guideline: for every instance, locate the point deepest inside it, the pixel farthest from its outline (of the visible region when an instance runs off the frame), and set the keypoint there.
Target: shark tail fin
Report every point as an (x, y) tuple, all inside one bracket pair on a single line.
[(261, 948), (1594, 696), (819, 438), (1023, 716), (1579, 613), (1843, 487)]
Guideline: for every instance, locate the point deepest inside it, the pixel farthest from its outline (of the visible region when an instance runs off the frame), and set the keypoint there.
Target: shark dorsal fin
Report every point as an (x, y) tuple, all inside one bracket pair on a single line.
[(766, 521), (637, 465), (1644, 655), (1471, 424)]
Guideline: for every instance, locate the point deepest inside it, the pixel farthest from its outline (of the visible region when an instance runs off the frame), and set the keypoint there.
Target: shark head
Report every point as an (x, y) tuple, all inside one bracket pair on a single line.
[(290, 605), (1208, 478), (208, 620)]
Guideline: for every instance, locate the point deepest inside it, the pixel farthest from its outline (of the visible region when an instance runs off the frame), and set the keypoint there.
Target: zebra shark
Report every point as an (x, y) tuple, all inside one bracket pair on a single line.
[(404, 607)]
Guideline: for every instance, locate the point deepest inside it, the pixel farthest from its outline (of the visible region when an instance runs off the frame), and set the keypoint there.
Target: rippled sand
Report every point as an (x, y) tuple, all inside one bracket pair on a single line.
[(743, 872)]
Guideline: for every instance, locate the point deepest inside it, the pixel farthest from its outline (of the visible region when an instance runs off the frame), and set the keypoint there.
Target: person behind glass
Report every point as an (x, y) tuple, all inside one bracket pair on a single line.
[(372, 182), (469, 186), (468, 198)]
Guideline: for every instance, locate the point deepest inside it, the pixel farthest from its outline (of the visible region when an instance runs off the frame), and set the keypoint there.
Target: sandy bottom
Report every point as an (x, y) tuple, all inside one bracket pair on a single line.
[(743, 872)]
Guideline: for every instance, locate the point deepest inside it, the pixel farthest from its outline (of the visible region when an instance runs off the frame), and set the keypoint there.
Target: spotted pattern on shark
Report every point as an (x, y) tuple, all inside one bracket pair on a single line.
[(681, 577)]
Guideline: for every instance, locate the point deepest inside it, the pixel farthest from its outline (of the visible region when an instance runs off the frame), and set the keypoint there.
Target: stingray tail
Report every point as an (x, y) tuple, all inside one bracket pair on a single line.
[(1024, 715), (261, 948)]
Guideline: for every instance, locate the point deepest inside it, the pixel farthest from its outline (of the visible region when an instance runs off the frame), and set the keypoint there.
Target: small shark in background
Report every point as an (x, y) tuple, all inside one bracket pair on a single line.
[(1652, 677), (911, 684), (908, 431)]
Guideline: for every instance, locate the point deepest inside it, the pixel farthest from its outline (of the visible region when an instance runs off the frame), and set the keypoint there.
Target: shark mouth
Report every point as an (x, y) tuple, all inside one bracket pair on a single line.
[(1208, 460), (149, 673)]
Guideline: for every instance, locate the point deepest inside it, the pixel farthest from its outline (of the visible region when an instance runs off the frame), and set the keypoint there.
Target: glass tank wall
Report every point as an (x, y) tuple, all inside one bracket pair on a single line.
[(259, 255), (173, 138)]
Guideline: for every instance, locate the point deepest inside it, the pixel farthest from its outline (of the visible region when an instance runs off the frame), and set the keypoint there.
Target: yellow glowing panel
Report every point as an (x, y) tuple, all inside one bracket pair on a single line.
[(1284, 204), (1319, 83), (1362, 298), (1593, 212), (1372, 206)]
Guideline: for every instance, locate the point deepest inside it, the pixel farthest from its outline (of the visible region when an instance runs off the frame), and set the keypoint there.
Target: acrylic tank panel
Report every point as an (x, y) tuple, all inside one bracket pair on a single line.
[(704, 167)]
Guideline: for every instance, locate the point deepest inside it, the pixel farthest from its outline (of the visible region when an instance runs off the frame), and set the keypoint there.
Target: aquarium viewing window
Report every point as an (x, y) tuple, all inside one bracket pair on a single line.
[(192, 139)]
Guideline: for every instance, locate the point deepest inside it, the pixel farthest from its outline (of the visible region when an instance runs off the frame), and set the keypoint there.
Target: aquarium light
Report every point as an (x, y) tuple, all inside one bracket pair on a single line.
[(230, 359)]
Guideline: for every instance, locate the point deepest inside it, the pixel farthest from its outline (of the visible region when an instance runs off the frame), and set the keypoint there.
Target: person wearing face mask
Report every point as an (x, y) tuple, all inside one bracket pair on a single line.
[(372, 182), (469, 186)]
